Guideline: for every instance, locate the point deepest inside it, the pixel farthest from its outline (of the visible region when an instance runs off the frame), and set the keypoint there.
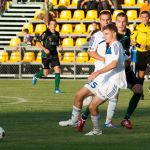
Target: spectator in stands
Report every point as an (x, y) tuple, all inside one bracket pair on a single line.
[(115, 4), (92, 31), (145, 6), (141, 39), (104, 5)]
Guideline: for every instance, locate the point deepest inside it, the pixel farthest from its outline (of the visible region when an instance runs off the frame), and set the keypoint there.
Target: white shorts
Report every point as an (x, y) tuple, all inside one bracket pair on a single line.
[(102, 90)]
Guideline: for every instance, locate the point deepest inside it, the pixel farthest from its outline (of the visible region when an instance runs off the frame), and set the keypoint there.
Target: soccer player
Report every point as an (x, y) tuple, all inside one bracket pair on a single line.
[(50, 39), (104, 83)]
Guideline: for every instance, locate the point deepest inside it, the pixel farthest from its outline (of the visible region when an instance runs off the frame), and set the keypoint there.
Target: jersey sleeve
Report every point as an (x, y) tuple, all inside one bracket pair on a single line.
[(114, 52), (93, 44)]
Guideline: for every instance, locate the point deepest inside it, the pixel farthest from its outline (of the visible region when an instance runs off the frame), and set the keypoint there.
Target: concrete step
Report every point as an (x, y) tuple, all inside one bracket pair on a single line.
[(29, 5), (10, 28), (14, 19), (6, 37), (21, 10), (4, 42), (9, 32), (22, 14), (11, 23)]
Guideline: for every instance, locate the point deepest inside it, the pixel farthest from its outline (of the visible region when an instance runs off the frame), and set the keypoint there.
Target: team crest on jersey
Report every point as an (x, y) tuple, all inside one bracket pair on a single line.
[(108, 51)]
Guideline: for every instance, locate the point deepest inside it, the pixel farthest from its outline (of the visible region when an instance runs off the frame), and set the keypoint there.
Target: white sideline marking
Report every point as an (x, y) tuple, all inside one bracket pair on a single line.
[(19, 99)]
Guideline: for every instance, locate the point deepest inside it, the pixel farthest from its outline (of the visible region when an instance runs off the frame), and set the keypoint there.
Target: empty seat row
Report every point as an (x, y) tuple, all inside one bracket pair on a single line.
[(30, 57)]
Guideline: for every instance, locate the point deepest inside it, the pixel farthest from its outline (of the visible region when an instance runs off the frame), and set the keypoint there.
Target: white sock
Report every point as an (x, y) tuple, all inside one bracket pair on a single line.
[(96, 121), (75, 114), (110, 110)]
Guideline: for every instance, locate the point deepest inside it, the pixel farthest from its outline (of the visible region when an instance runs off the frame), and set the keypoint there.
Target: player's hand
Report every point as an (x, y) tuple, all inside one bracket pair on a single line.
[(93, 76), (47, 51)]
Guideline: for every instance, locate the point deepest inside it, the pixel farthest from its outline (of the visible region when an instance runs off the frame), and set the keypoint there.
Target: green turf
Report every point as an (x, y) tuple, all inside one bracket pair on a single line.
[(33, 125)]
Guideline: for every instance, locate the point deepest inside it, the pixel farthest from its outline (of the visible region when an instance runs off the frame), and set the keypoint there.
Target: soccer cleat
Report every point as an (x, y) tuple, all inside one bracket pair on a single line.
[(34, 80), (66, 123), (110, 125), (126, 123), (58, 91), (80, 124), (94, 132)]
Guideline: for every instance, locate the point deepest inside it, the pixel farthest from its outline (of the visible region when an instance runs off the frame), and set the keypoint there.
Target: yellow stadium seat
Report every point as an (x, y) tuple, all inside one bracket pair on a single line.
[(129, 3), (15, 57), (92, 60), (68, 57), (29, 57), (40, 28), (79, 29), (67, 42), (140, 2), (65, 15), (115, 13), (57, 28), (78, 15), (91, 15), (37, 12), (66, 29), (74, 3), (80, 41), (90, 26), (38, 58), (54, 2), (28, 26), (15, 42), (3, 56), (132, 14), (64, 3), (131, 27), (82, 57)]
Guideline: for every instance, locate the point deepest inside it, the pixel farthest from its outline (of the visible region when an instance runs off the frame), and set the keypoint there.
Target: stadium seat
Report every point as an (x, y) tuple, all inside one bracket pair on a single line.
[(115, 13), (140, 2), (15, 57), (68, 57), (15, 42), (131, 27), (132, 14), (57, 28), (74, 3), (29, 57), (28, 26), (90, 26), (80, 41), (65, 15), (3, 56), (66, 29), (91, 15), (54, 2), (82, 57), (40, 28), (80, 29), (92, 60), (67, 42), (78, 15), (64, 3), (38, 58), (129, 3), (37, 12)]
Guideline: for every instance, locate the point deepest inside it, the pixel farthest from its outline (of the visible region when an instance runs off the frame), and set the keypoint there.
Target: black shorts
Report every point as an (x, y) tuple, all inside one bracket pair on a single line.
[(131, 79), (143, 58), (46, 63)]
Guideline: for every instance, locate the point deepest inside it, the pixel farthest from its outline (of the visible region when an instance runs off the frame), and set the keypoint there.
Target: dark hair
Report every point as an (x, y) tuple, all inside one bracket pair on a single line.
[(26, 30), (122, 14), (105, 12), (145, 12), (53, 20), (111, 27)]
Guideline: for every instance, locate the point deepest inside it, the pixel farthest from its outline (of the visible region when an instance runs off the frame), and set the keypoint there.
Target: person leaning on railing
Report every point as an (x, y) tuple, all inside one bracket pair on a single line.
[(141, 39)]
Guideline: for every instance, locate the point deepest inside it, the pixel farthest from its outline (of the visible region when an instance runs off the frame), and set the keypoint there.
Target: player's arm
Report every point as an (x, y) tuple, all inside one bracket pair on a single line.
[(107, 68), (94, 55), (39, 43)]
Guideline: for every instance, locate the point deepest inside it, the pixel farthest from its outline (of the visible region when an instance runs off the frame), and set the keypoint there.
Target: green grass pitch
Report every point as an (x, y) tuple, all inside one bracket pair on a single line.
[(33, 125)]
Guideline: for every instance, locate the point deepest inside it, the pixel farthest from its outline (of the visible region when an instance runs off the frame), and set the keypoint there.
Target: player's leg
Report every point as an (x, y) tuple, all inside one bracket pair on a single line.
[(78, 101), (95, 116), (55, 64), (43, 72)]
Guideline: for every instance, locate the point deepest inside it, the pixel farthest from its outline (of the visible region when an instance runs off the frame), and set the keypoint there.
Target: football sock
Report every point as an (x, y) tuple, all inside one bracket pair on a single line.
[(110, 110), (86, 113), (75, 114), (57, 80), (39, 74), (96, 121), (132, 105)]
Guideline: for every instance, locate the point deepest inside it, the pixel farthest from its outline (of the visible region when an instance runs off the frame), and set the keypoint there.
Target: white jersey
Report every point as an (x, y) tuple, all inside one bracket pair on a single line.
[(117, 75), (98, 44)]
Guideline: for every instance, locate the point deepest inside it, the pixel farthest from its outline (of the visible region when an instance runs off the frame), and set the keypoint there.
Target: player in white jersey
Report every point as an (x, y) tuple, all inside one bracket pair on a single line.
[(114, 68)]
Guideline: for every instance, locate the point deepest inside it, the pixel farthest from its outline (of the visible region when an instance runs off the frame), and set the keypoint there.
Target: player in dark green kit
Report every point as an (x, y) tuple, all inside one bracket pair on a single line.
[(48, 42)]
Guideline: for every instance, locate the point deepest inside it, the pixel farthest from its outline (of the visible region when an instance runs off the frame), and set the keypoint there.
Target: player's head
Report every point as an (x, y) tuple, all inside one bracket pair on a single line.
[(26, 30), (105, 18), (144, 15), (52, 24), (146, 2), (110, 33), (121, 22)]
